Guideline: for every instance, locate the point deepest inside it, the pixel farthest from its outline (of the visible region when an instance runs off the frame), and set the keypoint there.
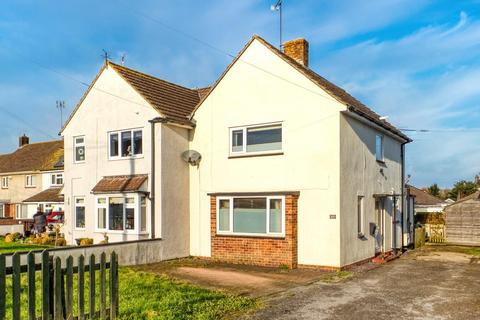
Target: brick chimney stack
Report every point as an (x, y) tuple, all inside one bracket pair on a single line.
[(298, 50), (23, 140)]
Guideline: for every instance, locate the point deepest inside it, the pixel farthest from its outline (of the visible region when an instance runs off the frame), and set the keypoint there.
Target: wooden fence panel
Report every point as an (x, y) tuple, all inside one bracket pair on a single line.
[(81, 286), (56, 287), (69, 288), (3, 278), (16, 277), (31, 286), (92, 287)]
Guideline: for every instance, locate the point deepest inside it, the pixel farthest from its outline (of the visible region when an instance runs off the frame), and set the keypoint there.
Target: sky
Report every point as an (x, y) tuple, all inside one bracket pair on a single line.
[(416, 62)]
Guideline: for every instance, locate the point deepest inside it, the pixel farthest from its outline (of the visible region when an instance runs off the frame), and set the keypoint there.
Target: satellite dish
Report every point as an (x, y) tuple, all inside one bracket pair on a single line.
[(191, 156)]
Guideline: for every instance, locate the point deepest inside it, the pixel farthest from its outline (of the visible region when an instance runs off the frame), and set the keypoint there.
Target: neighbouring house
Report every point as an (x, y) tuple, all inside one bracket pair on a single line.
[(31, 176), (425, 202), (273, 165), (462, 220)]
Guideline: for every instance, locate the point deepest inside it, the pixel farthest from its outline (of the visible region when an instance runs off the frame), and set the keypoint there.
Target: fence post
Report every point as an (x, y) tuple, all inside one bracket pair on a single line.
[(69, 289), (81, 285), (113, 286), (31, 285), (45, 285), (92, 286), (3, 279), (103, 299), (16, 286), (57, 288)]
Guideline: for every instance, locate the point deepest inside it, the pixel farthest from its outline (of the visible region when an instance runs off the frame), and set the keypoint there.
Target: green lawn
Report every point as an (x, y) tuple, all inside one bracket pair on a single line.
[(17, 246), (145, 295)]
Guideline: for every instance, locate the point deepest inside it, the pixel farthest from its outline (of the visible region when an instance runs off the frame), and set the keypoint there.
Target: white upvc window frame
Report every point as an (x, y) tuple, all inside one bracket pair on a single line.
[(381, 157), (268, 234), (23, 209), (137, 213), (79, 144), (54, 177), (5, 182), (244, 130), (30, 181), (119, 142), (75, 205), (2, 210)]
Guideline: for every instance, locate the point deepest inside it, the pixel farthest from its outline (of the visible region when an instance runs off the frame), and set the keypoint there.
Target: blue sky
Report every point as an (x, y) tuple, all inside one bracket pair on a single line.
[(417, 62)]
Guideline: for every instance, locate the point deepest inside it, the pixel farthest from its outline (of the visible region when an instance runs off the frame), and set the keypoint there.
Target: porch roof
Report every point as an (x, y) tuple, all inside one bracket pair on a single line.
[(52, 194), (126, 183)]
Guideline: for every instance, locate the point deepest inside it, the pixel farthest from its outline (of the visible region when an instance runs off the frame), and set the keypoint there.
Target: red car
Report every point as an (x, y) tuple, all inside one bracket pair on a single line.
[(55, 217)]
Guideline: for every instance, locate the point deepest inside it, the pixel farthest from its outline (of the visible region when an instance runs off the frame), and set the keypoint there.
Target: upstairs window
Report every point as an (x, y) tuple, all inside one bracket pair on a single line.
[(379, 147), (30, 181), (4, 182), (261, 139), (125, 144), (79, 147), (57, 179)]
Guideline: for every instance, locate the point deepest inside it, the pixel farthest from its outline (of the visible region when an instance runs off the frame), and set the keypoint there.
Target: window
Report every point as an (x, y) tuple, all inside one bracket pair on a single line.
[(21, 211), (125, 144), (57, 179), (4, 182), (251, 215), (379, 147), (2, 210), (119, 213), (256, 139), (101, 213), (80, 213), (360, 217), (143, 213), (79, 147), (30, 180)]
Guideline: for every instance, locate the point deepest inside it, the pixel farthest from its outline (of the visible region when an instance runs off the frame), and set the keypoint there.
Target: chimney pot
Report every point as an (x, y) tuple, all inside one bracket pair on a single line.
[(23, 140), (298, 50)]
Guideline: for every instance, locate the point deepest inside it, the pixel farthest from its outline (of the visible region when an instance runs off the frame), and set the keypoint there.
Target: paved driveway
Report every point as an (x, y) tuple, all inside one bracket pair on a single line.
[(433, 283)]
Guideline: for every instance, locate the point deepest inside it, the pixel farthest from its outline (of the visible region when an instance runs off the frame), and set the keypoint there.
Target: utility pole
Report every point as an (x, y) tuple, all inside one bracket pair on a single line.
[(60, 107), (278, 7)]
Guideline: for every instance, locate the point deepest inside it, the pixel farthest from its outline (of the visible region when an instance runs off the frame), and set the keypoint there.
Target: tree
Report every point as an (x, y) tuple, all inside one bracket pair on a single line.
[(462, 188), (434, 190)]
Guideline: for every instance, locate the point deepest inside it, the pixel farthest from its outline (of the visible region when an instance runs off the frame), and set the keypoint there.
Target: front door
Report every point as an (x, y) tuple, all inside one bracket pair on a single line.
[(380, 224)]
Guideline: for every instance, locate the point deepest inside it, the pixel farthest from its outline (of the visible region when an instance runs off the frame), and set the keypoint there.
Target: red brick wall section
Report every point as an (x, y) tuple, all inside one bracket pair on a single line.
[(261, 251)]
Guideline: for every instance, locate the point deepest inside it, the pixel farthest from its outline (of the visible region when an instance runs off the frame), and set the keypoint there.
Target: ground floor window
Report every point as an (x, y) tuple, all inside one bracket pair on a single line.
[(119, 213), (251, 215), (2, 210), (80, 213), (21, 211)]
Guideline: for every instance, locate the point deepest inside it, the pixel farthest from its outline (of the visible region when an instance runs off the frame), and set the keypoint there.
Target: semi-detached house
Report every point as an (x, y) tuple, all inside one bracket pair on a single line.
[(31, 177), (272, 165)]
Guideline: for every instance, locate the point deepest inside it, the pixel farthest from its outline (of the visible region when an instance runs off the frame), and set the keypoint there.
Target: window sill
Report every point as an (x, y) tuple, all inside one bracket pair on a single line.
[(117, 231), (250, 155), (30, 187), (140, 156), (79, 229), (251, 235), (381, 161), (79, 162)]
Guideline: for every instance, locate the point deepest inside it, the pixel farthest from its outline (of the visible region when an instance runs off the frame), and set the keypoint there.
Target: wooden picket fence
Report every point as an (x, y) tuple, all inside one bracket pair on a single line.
[(57, 287)]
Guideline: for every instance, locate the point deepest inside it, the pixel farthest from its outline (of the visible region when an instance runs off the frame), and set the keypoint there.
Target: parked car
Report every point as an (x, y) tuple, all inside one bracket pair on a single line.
[(55, 217)]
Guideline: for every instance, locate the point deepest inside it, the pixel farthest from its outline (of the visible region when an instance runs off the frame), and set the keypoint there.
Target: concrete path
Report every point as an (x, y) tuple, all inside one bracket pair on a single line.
[(429, 284)]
